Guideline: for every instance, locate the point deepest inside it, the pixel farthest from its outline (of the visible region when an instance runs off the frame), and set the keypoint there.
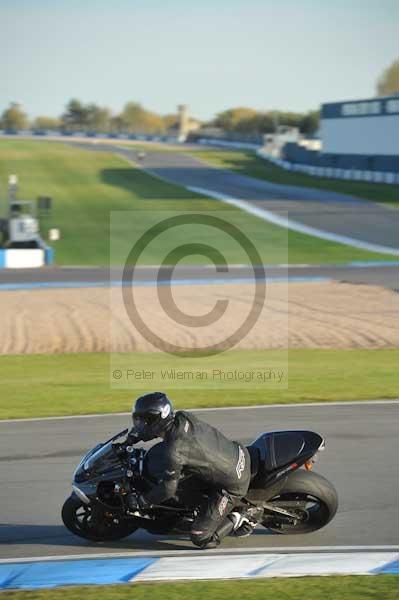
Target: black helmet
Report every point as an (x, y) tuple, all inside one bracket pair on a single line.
[(152, 415)]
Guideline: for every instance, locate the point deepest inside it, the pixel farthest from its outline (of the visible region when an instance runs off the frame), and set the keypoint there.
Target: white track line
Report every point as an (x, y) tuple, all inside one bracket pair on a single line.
[(287, 223), (218, 552), (357, 403)]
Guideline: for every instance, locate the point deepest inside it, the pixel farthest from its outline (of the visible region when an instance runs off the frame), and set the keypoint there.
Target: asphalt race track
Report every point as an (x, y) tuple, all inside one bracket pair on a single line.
[(383, 274), (325, 210), (362, 445), (37, 458), (332, 212)]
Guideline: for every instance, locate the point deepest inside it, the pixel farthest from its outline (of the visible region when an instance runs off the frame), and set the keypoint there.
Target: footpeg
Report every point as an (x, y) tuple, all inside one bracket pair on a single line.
[(237, 519), (242, 525)]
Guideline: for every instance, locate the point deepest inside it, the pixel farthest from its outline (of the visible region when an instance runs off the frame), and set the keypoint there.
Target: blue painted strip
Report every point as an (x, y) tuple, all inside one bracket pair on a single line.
[(153, 283), (391, 568), (259, 570), (48, 255), (37, 575), (2, 259), (52, 284)]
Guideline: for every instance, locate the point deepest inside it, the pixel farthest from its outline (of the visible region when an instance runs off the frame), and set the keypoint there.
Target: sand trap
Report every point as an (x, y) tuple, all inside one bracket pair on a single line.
[(313, 315)]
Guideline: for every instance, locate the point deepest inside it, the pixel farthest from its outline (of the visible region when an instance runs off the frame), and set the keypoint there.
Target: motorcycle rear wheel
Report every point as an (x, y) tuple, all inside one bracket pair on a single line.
[(82, 520), (309, 495)]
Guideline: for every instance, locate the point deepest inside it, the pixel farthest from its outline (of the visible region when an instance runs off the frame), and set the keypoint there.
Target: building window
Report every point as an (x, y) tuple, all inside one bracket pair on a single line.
[(392, 106), (359, 109)]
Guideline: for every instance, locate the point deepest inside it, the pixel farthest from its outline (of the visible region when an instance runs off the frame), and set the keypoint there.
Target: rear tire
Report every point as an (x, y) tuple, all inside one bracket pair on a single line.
[(80, 519), (309, 495)]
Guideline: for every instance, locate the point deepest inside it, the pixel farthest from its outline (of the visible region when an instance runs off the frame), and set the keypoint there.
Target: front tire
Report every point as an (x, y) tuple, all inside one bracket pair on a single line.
[(309, 495), (88, 522)]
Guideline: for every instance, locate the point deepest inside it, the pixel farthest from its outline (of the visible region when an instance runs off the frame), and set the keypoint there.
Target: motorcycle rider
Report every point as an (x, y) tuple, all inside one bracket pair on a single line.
[(192, 446)]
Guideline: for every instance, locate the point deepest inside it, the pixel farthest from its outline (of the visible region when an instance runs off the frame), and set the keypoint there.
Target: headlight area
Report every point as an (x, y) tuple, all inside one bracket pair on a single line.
[(81, 476)]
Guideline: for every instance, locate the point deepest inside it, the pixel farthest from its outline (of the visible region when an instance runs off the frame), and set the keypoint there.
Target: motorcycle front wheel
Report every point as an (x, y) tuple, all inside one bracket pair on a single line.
[(94, 524)]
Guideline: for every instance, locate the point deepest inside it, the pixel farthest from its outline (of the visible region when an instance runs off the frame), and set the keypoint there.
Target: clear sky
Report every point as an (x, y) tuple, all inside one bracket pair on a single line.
[(210, 54)]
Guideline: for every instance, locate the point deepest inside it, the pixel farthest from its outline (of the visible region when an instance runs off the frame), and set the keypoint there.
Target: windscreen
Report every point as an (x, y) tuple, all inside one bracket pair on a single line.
[(104, 458)]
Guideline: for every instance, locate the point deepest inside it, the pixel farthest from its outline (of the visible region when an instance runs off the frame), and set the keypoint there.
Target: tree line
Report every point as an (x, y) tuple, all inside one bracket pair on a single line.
[(134, 118), (248, 121), (92, 118)]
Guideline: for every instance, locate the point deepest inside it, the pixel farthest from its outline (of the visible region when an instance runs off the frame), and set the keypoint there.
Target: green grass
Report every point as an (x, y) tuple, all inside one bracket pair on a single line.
[(377, 587), (247, 163), (87, 185), (45, 385)]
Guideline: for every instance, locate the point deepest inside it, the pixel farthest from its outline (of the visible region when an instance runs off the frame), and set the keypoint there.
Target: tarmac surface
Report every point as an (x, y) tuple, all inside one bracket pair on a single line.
[(385, 275), (38, 458), (335, 213), (332, 212)]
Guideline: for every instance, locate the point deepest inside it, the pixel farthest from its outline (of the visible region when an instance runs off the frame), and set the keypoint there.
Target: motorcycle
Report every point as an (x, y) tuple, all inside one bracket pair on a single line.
[(285, 495)]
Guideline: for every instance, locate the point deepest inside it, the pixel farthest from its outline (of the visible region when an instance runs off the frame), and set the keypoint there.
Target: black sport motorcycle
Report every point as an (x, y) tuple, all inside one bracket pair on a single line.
[(282, 496)]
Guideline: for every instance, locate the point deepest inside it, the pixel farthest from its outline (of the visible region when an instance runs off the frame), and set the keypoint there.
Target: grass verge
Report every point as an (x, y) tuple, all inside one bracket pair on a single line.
[(247, 163), (87, 185), (377, 587), (67, 384)]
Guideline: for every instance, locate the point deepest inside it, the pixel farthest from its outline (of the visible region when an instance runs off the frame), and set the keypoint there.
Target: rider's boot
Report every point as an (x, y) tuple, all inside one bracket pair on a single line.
[(240, 524), (225, 528)]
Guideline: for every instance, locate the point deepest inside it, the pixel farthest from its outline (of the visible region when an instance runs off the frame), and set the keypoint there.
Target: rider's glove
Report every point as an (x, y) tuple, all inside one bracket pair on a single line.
[(132, 438), (119, 449)]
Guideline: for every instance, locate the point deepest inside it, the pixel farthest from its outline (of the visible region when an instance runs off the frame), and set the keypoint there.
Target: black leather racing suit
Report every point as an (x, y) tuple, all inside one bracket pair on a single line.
[(192, 446)]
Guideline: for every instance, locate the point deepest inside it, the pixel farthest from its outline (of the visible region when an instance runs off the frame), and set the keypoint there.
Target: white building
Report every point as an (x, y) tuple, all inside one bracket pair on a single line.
[(367, 127)]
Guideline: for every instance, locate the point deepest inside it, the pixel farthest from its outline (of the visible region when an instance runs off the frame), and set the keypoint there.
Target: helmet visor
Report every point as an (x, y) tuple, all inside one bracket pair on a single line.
[(148, 419)]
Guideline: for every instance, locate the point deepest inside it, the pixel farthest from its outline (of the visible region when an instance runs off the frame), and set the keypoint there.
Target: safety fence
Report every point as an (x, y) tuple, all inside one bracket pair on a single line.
[(352, 174)]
